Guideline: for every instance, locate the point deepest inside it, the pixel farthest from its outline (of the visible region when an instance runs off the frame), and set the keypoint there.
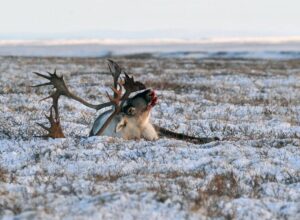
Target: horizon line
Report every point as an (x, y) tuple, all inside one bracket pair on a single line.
[(152, 41)]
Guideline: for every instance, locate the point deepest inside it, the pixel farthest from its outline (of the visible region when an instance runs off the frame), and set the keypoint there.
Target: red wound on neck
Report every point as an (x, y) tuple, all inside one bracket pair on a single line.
[(154, 98)]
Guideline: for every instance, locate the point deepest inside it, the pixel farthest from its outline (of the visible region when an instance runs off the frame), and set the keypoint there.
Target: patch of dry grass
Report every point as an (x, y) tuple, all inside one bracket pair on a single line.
[(3, 175), (221, 187)]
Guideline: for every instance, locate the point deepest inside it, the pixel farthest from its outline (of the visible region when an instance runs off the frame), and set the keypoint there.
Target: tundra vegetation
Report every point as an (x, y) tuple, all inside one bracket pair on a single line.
[(253, 172)]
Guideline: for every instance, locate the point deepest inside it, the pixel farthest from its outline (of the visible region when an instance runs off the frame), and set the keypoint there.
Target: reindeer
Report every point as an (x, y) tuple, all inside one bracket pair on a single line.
[(128, 117)]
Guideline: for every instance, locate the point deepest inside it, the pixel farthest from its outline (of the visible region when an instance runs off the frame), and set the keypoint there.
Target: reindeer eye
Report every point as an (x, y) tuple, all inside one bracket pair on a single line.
[(131, 111)]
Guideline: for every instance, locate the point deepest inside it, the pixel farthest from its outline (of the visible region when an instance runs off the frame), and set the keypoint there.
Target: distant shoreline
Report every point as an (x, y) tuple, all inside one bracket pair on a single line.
[(150, 41), (271, 48)]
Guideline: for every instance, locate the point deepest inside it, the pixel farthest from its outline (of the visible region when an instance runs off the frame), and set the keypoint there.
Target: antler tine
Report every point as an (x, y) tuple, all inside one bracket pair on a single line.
[(115, 70), (117, 95), (41, 75), (43, 84), (55, 96), (55, 130), (43, 126), (131, 86), (53, 74)]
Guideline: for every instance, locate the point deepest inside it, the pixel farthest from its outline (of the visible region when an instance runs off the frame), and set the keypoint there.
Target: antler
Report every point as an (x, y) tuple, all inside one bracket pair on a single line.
[(131, 86), (62, 89), (55, 130), (117, 101), (115, 70)]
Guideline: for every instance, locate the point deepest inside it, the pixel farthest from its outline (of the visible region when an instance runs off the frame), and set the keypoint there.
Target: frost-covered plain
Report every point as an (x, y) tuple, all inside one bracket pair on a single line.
[(254, 172)]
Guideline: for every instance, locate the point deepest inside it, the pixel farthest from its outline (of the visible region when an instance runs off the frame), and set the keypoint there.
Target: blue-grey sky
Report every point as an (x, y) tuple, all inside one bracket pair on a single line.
[(204, 17)]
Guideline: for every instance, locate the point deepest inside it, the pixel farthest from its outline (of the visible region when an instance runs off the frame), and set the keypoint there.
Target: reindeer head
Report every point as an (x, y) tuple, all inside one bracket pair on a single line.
[(136, 112), (140, 105)]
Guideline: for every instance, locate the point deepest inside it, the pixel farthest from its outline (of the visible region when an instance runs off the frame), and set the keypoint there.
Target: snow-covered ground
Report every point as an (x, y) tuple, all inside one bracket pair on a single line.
[(253, 173)]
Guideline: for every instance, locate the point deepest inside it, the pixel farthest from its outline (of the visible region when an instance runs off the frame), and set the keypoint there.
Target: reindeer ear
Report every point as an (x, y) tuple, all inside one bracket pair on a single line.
[(122, 124), (131, 111)]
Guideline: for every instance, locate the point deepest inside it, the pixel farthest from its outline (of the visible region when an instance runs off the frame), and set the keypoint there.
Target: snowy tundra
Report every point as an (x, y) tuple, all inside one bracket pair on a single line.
[(253, 106)]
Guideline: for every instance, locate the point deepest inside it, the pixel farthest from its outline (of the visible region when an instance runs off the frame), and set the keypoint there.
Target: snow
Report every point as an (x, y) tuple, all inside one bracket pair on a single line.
[(253, 172)]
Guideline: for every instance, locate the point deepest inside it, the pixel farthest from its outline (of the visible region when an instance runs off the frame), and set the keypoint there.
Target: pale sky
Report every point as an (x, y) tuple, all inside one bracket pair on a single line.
[(238, 17)]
